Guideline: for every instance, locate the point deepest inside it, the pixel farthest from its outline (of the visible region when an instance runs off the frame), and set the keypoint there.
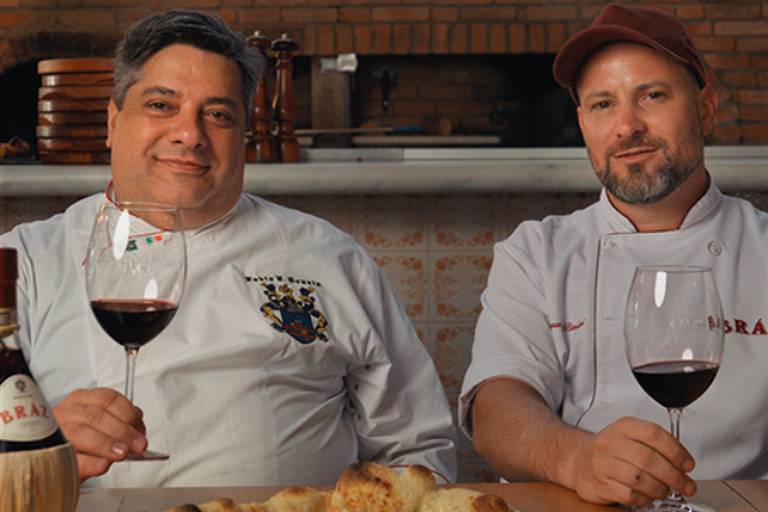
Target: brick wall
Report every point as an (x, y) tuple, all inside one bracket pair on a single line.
[(732, 35)]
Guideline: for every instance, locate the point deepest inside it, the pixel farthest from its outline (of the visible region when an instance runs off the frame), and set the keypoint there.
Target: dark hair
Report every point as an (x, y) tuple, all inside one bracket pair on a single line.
[(181, 26)]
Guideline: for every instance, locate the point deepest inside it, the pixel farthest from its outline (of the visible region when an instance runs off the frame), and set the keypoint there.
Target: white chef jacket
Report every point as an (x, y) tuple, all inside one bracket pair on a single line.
[(226, 390), (553, 318)]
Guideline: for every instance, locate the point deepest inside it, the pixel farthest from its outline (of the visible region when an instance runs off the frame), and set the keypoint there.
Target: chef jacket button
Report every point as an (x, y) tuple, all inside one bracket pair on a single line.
[(715, 249), (609, 244)]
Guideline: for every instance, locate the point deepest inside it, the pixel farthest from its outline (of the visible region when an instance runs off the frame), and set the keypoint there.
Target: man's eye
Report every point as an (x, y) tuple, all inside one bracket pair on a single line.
[(657, 95), (220, 116), (601, 105), (158, 106)]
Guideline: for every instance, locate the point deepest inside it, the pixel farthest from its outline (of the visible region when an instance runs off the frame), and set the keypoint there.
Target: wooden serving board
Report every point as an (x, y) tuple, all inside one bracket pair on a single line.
[(77, 79), (82, 131), (70, 118), (75, 158), (74, 92), (48, 145), (93, 65), (72, 105)]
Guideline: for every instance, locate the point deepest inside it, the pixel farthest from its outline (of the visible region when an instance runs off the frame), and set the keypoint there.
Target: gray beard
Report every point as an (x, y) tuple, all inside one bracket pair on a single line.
[(641, 188)]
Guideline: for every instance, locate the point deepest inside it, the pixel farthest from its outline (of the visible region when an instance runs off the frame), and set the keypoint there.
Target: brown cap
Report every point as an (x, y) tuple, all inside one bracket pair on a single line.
[(9, 272), (626, 23)]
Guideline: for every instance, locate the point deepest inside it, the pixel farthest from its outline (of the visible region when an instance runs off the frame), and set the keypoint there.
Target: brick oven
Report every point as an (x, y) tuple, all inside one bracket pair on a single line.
[(465, 66)]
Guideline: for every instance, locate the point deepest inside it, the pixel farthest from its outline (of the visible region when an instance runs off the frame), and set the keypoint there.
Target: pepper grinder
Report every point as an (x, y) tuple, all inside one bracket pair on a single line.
[(261, 147), (284, 103)]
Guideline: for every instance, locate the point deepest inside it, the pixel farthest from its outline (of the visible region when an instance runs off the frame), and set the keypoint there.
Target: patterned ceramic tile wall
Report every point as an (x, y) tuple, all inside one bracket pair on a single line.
[(15, 210), (435, 249)]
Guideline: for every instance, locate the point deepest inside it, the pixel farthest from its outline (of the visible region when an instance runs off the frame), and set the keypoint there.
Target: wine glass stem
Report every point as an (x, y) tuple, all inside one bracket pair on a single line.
[(130, 365), (674, 428)]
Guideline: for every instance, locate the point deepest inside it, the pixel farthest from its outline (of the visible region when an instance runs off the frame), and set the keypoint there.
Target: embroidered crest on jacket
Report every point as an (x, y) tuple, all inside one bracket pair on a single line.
[(294, 312)]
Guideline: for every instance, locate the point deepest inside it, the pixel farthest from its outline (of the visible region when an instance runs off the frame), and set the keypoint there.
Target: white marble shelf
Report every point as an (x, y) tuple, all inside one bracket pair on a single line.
[(399, 171)]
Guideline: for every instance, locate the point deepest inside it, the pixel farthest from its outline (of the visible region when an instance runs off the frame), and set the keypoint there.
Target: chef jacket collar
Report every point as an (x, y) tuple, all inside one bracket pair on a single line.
[(110, 197), (699, 212)]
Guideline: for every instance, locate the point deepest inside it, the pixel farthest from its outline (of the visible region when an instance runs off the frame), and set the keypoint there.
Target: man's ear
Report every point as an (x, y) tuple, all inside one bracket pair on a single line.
[(112, 113), (580, 114), (707, 108)]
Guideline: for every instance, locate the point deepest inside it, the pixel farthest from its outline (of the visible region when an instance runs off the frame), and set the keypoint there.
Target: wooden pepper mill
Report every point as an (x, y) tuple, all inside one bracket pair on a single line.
[(261, 147), (284, 103)]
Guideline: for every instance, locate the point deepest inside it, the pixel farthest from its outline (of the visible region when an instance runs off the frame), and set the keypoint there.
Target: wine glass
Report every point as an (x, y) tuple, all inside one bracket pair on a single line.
[(135, 273), (674, 340)]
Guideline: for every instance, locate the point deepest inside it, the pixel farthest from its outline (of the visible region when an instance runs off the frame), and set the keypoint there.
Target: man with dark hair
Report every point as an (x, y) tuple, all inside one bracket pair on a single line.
[(183, 27), (231, 389), (549, 394)]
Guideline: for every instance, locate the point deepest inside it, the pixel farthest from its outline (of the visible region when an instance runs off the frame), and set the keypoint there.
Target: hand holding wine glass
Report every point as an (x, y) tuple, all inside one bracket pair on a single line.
[(135, 276), (674, 342)]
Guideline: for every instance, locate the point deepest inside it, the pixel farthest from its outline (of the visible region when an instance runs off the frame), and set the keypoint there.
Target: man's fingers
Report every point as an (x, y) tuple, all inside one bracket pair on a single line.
[(659, 439), (141, 427), (636, 479), (103, 424), (108, 399), (80, 420), (92, 440), (89, 466), (616, 492), (645, 460), (652, 462)]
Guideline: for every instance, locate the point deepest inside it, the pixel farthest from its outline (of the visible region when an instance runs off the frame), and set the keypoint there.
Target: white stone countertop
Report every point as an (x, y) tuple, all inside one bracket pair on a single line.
[(404, 171)]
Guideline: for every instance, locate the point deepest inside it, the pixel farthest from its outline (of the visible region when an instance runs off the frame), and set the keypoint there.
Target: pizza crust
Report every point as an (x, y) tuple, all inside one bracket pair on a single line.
[(367, 487)]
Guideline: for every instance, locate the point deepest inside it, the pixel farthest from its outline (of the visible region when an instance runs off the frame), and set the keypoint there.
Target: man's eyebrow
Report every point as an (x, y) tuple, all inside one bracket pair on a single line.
[(222, 100), (598, 94), (638, 88), (158, 89), (650, 85)]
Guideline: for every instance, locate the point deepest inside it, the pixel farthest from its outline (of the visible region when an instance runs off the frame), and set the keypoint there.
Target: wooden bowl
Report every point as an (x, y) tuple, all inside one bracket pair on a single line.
[(102, 79), (91, 105), (72, 130), (72, 118), (81, 65), (82, 157), (74, 92), (54, 145)]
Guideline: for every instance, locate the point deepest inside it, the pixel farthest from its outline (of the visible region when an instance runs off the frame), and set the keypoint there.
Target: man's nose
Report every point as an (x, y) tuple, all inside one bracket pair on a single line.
[(629, 121), (188, 129)]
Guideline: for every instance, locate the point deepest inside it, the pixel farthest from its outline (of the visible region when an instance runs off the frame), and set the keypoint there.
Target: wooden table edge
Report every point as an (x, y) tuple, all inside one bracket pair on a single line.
[(754, 492)]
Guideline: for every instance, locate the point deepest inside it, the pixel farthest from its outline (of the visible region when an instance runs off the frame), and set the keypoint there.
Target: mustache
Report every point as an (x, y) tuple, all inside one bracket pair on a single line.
[(637, 140)]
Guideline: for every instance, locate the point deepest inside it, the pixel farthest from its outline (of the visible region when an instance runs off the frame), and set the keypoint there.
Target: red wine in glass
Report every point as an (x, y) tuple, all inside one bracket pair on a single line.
[(675, 384), (133, 322)]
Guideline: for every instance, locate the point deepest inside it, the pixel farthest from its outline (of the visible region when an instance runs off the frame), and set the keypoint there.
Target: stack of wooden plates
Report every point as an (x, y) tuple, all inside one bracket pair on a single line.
[(72, 110)]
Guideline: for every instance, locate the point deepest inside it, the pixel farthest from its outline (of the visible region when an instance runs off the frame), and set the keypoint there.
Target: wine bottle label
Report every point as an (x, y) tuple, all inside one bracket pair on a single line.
[(7, 316), (24, 412)]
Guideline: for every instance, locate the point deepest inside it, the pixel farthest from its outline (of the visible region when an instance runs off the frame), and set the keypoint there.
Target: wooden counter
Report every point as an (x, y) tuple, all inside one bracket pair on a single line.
[(724, 496)]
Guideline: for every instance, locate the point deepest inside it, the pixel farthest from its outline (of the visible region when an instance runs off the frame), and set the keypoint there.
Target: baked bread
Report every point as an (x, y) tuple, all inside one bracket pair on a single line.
[(299, 499), (367, 487), (221, 505), (462, 500), (371, 487)]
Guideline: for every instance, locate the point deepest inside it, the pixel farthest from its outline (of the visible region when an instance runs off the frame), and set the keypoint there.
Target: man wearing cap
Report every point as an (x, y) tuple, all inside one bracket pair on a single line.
[(549, 394)]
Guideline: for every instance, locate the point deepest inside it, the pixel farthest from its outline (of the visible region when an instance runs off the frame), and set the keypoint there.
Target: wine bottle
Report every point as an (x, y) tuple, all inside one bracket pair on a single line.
[(38, 467)]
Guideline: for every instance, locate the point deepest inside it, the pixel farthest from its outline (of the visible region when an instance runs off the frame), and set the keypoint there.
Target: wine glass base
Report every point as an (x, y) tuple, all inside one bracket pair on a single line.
[(148, 455), (674, 506), (698, 507)]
